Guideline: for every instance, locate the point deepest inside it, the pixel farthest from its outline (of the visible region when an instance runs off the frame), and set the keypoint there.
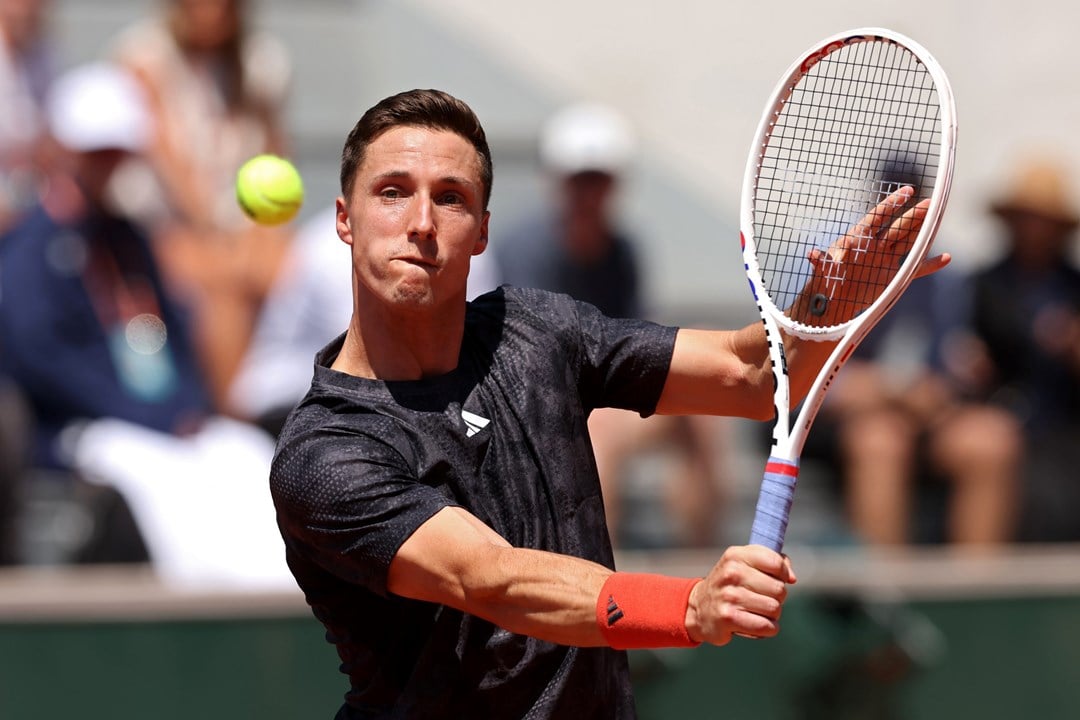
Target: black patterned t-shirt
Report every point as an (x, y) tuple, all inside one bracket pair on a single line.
[(361, 464)]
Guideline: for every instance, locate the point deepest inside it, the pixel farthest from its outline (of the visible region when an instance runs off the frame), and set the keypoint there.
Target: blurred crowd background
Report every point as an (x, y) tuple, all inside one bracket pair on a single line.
[(152, 338)]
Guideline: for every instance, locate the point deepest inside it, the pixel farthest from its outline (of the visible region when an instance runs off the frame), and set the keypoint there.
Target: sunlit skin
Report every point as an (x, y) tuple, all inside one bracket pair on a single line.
[(414, 220)]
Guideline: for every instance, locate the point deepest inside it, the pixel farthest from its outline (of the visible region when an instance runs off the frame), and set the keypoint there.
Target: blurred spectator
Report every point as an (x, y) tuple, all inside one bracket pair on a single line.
[(577, 248), (101, 350), (1025, 355), (26, 69), (918, 461), (216, 89), (87, 328)]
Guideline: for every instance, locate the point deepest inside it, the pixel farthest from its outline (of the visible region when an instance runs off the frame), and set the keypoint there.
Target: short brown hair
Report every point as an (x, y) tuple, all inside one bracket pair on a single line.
[(433, 109)]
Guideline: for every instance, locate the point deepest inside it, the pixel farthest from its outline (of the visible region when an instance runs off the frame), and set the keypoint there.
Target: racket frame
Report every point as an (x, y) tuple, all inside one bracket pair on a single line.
[(789, 435)]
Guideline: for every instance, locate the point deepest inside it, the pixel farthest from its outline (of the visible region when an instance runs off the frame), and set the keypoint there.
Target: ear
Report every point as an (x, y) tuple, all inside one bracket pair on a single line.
[(481, 243), (344, 225)]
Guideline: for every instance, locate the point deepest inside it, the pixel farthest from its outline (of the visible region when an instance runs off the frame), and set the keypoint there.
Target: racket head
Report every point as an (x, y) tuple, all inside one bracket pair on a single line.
[(855, 117)]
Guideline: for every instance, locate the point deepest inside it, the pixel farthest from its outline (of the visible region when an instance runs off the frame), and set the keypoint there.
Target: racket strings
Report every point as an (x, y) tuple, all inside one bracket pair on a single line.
[(861, 123)]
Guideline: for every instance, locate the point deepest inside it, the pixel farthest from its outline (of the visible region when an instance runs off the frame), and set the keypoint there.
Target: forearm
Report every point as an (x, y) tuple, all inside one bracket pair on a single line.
[(569, 601), (718, 373), (555, 598), (804, 358), (541, 594), (456, 560), (730, 373)]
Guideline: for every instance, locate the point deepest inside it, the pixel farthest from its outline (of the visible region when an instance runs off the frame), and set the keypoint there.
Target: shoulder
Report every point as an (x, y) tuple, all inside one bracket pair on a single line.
[(530, 322), (328, 424), (524, 327), (529, 308), (318, 445)]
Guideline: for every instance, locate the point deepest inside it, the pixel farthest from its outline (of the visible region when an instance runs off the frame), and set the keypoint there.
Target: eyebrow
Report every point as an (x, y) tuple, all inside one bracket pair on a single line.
[(447, 179)]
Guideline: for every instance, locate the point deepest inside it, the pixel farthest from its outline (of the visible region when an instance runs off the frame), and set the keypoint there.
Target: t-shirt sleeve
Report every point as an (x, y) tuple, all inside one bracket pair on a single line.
[(621, 363), (624, 362), (349, 501)]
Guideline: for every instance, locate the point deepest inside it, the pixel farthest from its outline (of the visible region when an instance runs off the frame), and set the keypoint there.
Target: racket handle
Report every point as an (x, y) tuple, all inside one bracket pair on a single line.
[(774, 503)]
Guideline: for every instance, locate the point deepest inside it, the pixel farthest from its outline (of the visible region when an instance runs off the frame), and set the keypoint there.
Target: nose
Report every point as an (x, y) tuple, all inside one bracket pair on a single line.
[(422, 219)]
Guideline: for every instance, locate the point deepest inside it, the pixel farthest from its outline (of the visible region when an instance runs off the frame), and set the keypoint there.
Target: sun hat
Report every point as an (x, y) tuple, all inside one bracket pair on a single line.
[(1039, 187), (586, 137)]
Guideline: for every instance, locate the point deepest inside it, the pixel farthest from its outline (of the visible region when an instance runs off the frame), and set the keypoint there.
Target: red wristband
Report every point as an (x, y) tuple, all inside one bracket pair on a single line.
[(641, 610)]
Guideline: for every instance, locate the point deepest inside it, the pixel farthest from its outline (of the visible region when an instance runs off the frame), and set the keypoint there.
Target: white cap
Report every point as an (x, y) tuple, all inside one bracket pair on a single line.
[(98, 106), (584, 137)]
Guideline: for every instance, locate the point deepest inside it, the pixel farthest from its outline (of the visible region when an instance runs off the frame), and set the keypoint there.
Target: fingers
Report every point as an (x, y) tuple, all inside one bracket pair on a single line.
[(900, 230), (743, 594), (855, 269), (904, 229), (875, 221), (931, 265), (767, 561)]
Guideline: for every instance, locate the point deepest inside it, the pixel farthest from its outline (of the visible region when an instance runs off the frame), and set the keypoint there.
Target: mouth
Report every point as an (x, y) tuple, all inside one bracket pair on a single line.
[(412, 259), (418, 262)]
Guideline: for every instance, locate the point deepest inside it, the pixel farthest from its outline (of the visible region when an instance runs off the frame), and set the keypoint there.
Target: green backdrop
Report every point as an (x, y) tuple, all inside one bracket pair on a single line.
[(835, 658)]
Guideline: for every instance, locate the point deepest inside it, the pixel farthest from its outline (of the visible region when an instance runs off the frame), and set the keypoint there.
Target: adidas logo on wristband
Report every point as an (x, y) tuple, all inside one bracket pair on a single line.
[(614, 614)]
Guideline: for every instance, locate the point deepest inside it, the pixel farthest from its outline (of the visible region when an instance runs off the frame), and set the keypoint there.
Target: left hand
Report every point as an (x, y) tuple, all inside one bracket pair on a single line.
[(855, 269)]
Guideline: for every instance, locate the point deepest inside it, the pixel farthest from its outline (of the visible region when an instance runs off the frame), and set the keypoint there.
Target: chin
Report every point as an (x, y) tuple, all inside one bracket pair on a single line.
[(410, 295)]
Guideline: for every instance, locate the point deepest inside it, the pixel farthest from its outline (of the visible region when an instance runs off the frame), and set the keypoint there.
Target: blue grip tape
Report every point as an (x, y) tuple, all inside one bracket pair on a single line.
[(774, 503)]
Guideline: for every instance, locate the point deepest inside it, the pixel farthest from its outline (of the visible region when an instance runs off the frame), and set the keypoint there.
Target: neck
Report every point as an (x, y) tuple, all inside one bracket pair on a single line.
[(402, 345)]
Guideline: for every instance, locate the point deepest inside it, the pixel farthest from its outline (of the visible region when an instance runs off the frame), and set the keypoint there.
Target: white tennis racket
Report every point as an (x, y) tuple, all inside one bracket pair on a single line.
[(855, 145)]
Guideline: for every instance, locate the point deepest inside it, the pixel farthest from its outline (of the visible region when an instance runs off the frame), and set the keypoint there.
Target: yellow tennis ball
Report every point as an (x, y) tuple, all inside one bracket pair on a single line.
[(269, 189)]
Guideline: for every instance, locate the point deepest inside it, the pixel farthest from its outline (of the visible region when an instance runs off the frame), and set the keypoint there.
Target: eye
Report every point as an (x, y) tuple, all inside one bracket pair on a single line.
[(390, 193), (451, 197)]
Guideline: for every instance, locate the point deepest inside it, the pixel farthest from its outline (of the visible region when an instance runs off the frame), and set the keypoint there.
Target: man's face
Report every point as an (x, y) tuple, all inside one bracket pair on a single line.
[(414, 219)]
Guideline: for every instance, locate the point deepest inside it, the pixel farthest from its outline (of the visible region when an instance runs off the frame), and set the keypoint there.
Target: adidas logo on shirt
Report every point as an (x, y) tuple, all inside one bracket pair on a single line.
[(473, 422)]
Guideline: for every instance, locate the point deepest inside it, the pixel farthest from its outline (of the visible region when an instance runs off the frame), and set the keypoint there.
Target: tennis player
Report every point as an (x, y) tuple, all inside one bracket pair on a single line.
[(436, 488)]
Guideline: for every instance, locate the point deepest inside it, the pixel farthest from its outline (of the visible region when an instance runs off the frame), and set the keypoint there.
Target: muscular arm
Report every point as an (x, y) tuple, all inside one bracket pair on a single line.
[(454, 559), (728, 372)]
